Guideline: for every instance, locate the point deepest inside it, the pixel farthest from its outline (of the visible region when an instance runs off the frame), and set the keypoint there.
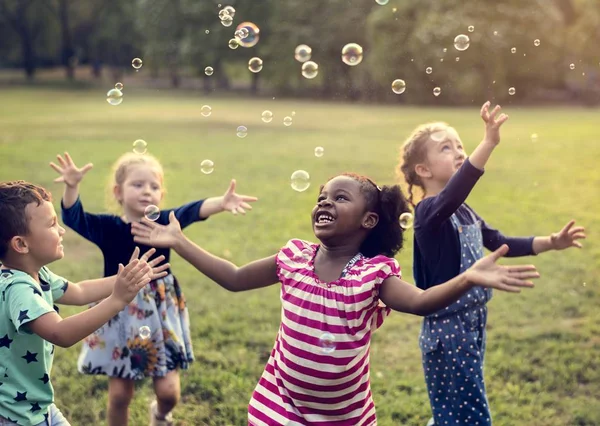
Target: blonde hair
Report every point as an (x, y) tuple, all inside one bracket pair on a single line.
[(413, 152), (119, 173)]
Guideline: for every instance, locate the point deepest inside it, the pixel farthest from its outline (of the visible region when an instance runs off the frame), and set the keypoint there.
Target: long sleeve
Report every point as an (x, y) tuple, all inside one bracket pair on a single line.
[(89, 226), (435, 210), (517, 246), (186, 214)]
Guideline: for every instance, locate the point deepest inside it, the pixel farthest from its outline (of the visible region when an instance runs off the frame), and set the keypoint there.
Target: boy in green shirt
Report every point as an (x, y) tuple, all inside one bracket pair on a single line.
[(30, 326)]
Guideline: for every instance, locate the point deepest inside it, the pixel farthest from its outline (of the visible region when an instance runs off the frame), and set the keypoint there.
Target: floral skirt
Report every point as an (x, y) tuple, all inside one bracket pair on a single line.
[(149, 338)]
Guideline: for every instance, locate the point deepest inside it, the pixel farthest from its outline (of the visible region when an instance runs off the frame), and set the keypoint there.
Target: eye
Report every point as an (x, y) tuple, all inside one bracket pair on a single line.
[(445, 147), (155, 187), (137, 184), (341, 197)]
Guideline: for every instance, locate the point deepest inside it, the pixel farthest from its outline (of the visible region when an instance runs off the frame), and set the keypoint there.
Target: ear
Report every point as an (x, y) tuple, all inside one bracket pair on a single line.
[(370, 220), (19, 244), (118, 193), (423, 171)]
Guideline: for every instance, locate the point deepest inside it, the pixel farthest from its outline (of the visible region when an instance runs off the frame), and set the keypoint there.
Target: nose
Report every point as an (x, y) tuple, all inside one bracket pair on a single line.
[(460, 154), (324, 202), (61, 230)]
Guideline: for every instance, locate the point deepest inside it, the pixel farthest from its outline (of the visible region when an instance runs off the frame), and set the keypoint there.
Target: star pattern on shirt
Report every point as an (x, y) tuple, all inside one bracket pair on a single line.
[(20, 396), (5, 341), (36, 291), (35, 407), (23, 315), (30, 357), (45, 379), (65, 286)]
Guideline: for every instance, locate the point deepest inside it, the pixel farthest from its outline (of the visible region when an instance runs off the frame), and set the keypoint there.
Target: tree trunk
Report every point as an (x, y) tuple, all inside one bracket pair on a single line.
[(28, 55), (67, 41), (254, 85)]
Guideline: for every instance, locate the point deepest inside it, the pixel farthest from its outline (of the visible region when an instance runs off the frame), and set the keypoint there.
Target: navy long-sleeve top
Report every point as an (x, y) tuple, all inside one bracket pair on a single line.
[(113, 235), (436, 241)]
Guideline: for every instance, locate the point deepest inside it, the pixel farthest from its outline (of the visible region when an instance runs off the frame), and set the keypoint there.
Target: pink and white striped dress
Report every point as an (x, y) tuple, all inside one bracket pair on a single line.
[(306, 382)]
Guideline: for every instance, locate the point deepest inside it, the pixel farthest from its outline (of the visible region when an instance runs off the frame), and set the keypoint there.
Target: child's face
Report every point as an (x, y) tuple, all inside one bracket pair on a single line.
[(445, 154), (341, 210), (141, 188), (44, 240)]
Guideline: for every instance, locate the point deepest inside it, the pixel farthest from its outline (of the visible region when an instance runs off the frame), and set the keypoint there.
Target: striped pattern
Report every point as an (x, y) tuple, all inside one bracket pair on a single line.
[(303, 382)]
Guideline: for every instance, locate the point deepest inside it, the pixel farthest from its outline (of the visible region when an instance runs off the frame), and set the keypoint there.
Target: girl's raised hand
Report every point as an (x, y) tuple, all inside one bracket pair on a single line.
[(236, 203), (152, 234), (568, 236), (70, 174), (487, 273), (492, 122)]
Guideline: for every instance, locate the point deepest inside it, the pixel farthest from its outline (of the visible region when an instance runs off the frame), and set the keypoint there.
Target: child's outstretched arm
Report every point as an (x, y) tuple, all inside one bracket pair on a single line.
[(71, 175), (257, 274), (404, 297), (230, 201), (90, 291), (490, 141), (68, 331), (565, 238)]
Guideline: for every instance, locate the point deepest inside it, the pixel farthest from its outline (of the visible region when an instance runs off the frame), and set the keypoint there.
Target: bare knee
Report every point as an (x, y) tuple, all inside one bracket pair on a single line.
[(120, 393), (167, 390)]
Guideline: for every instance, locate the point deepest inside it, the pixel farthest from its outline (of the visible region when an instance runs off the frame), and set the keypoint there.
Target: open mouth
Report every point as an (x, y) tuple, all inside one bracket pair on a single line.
[(324, 218)]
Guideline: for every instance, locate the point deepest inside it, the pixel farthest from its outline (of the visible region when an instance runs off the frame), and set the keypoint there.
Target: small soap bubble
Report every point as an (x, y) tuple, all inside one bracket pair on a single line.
[(513, 50), (444, 50), (496, 33), (287, 121), (136, 63), (327, 343), (152, 212), (471, 28), (534, 137), (242, 33), (253, 34), (119, 86), (302, 53), (457, 58), (300, 180), (439, 136), (511, 91), (352, 54), (139, 146), (230, 10), (255, 65), (536, 42), (406, 220), (437, 91), (207, 32), (207, 167), (224, 14), (462, 42), (234, 43), (382, 2), (114, 97), (398, 86), (572, 66), (319, 151), (227, 21), (209, 71), (206, 110), (310, 69), (145, 332), (267, 116), (242, 132), (428, 70)]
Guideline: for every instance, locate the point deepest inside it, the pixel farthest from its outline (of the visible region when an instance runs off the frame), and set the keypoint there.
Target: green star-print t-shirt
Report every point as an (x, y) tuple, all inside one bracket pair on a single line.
[(26, 358)]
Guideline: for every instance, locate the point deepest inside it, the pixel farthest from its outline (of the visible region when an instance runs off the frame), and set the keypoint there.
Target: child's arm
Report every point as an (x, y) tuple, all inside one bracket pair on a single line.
[(565, 238), (68, 331), (89, 291), (71, 175), (230, 201), (404, 297), (435, 210), (257, 274)]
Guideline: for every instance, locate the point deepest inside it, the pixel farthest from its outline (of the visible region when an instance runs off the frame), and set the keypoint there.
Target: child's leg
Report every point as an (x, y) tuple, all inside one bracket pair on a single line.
[(120, 393), (167, 390)]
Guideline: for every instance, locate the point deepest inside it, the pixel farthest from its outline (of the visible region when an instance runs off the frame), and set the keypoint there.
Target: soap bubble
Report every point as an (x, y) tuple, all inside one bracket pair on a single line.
[(302, 53), (352, 54), (139, 146), (152, 212), (114, 97), (145, 332), (310, 69), (300, 180), (253, 34), (136, 63), (207, 167), (206, 110), (462, 42), (398, 86), (406, 220), (255, 64), (209, 71), (267, 116)]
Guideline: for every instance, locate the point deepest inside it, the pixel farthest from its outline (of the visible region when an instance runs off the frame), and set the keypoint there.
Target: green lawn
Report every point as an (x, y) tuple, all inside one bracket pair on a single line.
[(543, 360)]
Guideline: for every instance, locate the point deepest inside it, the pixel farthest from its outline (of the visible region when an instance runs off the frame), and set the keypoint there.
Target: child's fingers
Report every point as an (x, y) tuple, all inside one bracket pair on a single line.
[(484, 110), (135, 254), (56, 168), (161, 268), (233, 211), (141, 240), (568, 226), (61, 161), (86, 168), (130, 267), (246, 206), (508, 288), (521, 268), (68, 158), (156, 260), (159, 275), (495, 112), (240, 210), (525, 275), (578, 229), (501, 119), (499, 252), (59, 179), (577, 244), (148, 254), (248, 198)]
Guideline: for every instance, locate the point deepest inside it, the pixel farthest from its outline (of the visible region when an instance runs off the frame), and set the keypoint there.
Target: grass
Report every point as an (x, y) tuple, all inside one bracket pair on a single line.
[(544, 345)]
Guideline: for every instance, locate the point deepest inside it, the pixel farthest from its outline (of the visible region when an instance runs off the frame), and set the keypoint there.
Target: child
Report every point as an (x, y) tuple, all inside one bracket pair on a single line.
[(449, 238), (30, 326), (318, 371), (116, 350)]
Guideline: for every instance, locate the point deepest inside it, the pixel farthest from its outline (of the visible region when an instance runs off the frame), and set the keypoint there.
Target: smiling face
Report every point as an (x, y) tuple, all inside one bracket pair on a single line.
[(43, 242), (341, 213), (142, 187)]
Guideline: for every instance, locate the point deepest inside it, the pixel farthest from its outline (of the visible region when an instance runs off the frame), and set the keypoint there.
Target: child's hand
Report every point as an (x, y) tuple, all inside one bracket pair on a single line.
[(568, 236), (486, 273), (71, 175), (156, 271), (236, 203), (130, 280), (492, 124), (152, 234)]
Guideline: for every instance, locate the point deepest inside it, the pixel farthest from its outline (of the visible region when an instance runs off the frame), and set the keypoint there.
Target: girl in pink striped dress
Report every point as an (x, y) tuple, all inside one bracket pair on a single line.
[(334, 295)]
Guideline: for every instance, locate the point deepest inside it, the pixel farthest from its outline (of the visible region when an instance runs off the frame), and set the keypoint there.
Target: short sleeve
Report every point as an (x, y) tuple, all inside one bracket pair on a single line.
[(24, 304), (387, 267), (292, 258), (58, 284)]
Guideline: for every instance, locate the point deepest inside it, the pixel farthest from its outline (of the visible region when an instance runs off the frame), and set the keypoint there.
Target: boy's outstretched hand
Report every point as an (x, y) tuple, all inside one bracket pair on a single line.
[(70, 174), (236, 203), (130, 280), (493, 121), (487, 273), (153, 234), (156, 271)]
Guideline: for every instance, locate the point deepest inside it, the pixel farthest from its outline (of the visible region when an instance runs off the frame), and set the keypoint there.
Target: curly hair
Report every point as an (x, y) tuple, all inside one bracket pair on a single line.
[(15, 196)]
